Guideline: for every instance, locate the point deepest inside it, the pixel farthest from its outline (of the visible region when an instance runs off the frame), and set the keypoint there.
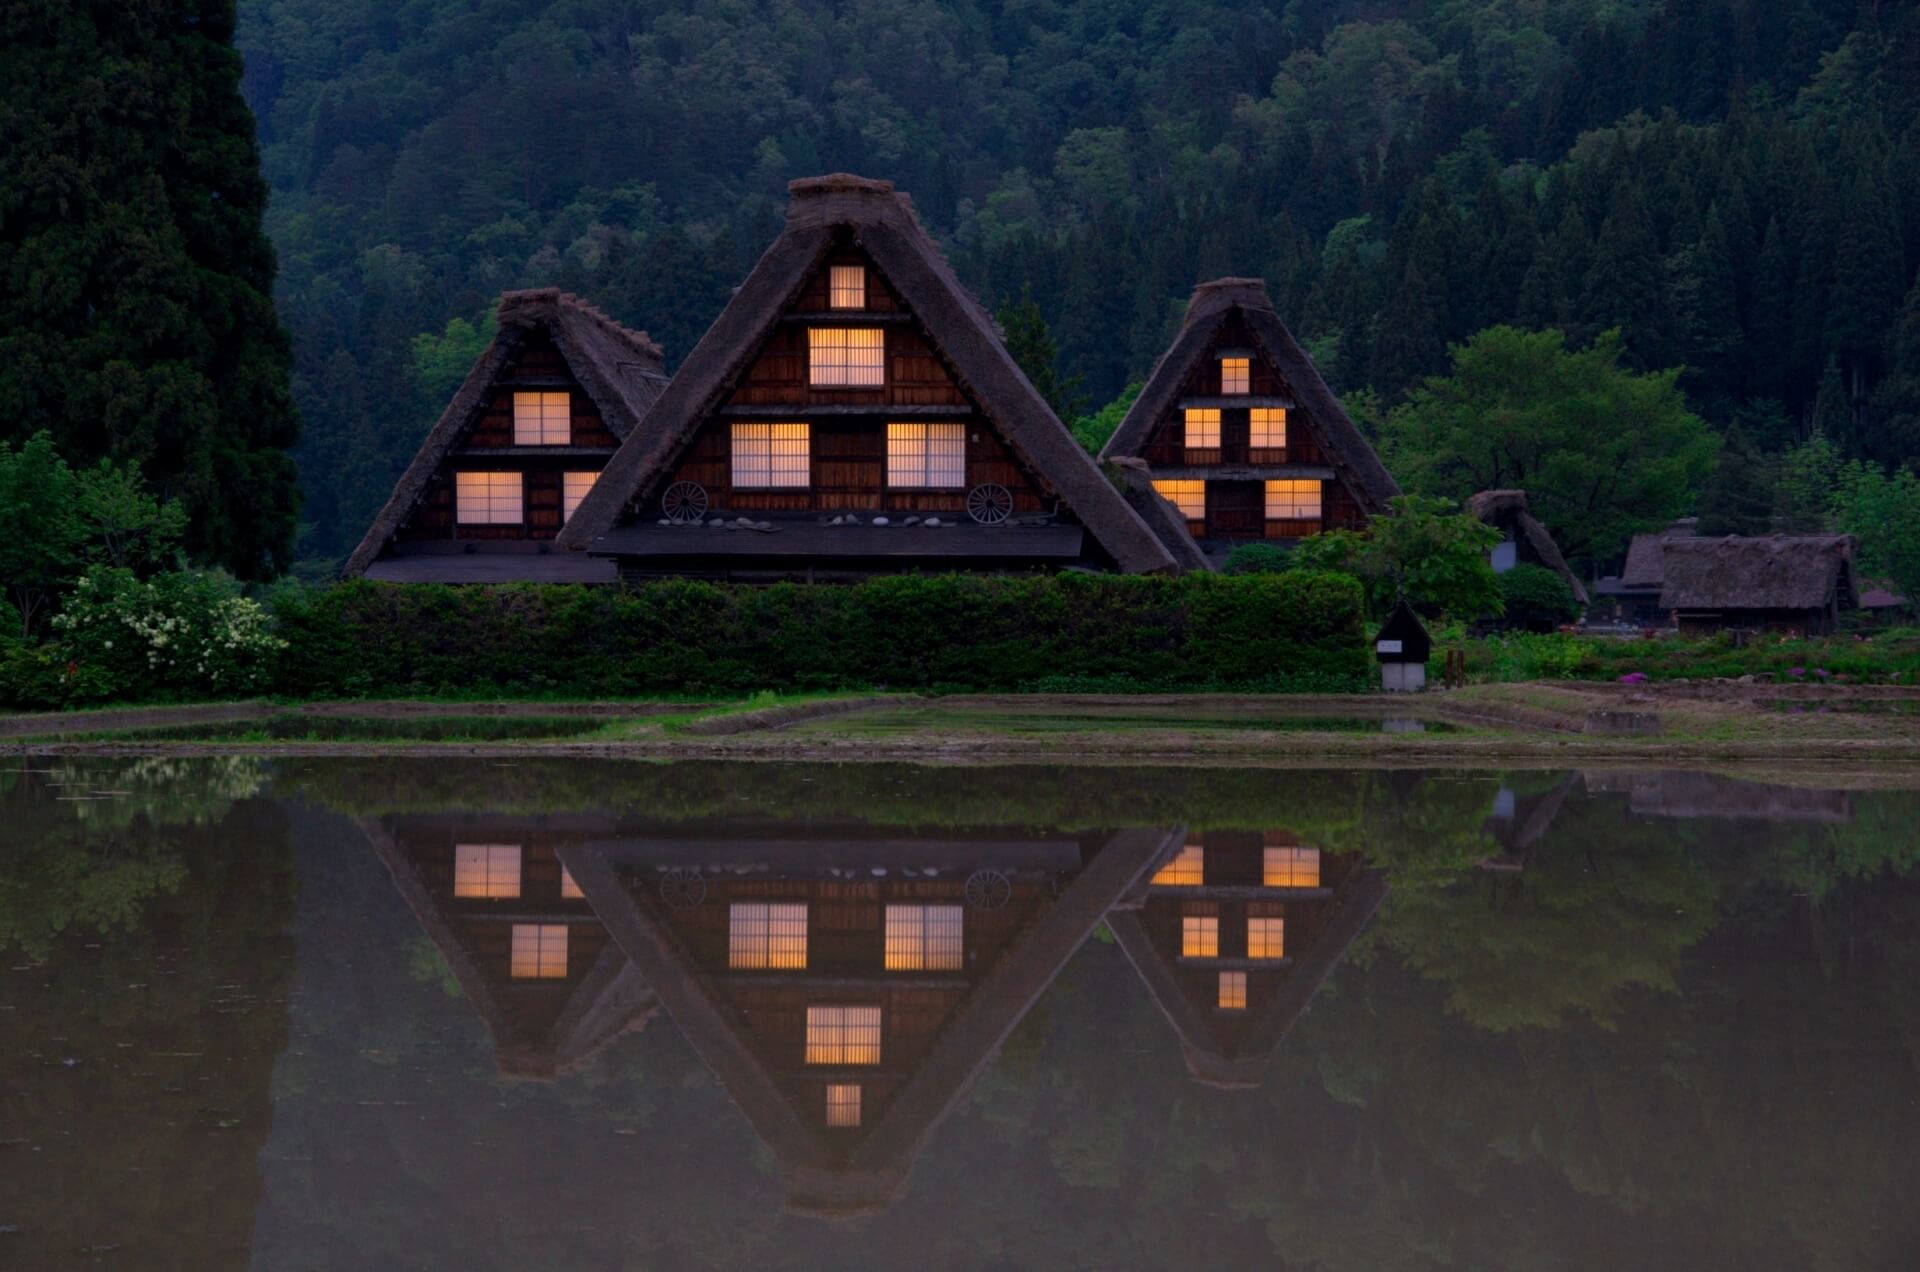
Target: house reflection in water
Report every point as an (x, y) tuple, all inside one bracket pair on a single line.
[(1234, 933)]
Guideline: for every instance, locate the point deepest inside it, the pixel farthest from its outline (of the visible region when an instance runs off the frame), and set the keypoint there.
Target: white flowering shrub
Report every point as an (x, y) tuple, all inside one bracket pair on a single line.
[(187, 634)]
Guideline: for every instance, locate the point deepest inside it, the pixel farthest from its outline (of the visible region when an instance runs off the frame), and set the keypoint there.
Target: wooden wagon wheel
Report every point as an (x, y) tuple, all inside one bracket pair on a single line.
[(684, 502), (988, 890), (989, 503), (683, 889)]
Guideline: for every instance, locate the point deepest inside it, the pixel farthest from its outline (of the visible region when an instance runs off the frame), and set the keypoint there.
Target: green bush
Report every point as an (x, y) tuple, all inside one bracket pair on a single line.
[(1538, 600), (924, 632), (187, 634), (1255, 558)]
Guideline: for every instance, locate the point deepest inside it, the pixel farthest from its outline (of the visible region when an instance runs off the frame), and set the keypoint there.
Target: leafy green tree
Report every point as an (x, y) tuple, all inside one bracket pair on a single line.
[(1602, 451), (1094, 431), (123, 525), (137, 323), (1537, 599), (441, 363), (1421, 549), (1883, 511), (1030, 343), (1803, 499), (41, 532)]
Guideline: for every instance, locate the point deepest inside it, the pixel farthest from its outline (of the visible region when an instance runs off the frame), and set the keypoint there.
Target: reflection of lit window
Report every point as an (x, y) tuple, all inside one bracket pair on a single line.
[(771, 455), (924, 937), (1291, 868), (486, 870), (486, 499), (1203, 427), (539, 951), (1267, 428), (1199, 936), (846, 357), (1266, 938), (1233, 991), (574, 488), (927, 455), (847, 289), (1235, 374), (568, 888), (1293, 501), (1188, 870), (1190, 497), (762, 935), (843, 1035), (541, 419), (843, 1104)]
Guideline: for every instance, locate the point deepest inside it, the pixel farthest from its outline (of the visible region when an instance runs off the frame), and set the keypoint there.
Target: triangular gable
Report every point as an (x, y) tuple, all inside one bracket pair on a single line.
[(960, 330), (620, 370), (1501, 508), (827, 1171), (1212, 305)]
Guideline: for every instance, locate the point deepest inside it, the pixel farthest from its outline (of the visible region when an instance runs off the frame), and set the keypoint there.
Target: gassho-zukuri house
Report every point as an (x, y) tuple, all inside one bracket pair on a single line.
[(854, 411), (1236, 428), (523, 440)]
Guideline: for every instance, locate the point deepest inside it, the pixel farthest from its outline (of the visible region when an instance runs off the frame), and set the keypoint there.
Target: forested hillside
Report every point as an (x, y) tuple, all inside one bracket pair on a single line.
[(1735, 184)]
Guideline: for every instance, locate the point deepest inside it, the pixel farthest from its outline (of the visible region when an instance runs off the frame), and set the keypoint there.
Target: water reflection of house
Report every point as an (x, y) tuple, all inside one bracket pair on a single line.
[(1518, 821), (1697, 795), (516, 933), (847, 988), (1234, 934)]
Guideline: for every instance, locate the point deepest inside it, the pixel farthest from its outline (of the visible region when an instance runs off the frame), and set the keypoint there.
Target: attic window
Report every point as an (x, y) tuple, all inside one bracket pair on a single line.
[(847, 287), (539, 951), (1190, 497), (843, 1035), (846, 357), (574, 488), (1293, 501), (843, 1104), (1199, 936), (1266, 937), (486, 870), (925, 938), (1188, 870), (542, 419), (772, 456), (767, 936), (1267, 428), (487, 499), (1291, 868), (1233, 991), (1236, 375), (927, 455), (1203, 428)]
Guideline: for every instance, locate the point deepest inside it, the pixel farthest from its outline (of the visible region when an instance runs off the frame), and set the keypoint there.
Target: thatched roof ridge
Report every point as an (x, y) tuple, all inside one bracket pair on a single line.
[(622, 371), (1644, 567), (883, 224), (1212, 302), (1491, 505), (1771, 572)]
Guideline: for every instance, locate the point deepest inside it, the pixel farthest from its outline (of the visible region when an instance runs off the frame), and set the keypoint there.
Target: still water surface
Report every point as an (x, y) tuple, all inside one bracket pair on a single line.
[(588, 1014)]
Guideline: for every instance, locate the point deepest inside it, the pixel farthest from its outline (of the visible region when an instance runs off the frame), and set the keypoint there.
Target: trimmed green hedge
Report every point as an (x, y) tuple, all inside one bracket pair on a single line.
[(1296, 631)]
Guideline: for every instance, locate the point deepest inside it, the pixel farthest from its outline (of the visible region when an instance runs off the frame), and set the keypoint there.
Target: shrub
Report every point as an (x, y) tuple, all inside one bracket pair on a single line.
[(188, 634), (1538, 600), (1255, 558)]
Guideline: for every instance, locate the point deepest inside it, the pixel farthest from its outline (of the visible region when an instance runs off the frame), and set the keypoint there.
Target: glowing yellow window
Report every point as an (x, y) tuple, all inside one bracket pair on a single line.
[(542, 419), (1233, 991), (1267, 428), (486, 499), (1188, 870), (927, 455), (1266, 938), (1203, 428), (574, 488), (1199, 936), (847, 287), (843, 1104), (568, 888), (1293, 501), (770, 936), (925, 938), (486, 870), (1291, 868), (539, 951), (772, 456), (1190, 497), (843, 1035), (847, 357), (1236, 375)]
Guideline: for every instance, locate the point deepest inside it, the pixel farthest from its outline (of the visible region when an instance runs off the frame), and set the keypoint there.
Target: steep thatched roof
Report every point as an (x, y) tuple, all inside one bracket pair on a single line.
[(1166, 521), (621, 370), (882, 224), (1210, 307), (1645, 566), (1496, 507), (1774, 572)]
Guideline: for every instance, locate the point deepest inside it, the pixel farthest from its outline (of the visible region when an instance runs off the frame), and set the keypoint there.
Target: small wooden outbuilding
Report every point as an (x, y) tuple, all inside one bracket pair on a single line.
[(1403, 647)]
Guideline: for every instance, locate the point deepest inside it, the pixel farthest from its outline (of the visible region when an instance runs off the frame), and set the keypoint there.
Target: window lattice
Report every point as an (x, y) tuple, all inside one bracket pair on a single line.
[(487, 499), (486, 870), (843, 1035), (1293, 501), (1291, 868), (1190, 497), (1199, 936), (574, 488), (1188, 870), (843, 1104), (761, 935), (772, 456), (927, 455), (1203, 428), (1233, 991), (539, 951), (542, 419), (847, 287), (1266, 938), (925, 938), (1236, 375), (1267, 428), (847, 357)]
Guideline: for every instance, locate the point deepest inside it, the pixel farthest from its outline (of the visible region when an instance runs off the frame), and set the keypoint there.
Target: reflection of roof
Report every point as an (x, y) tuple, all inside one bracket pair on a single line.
[(1773, 572), (809, 537), (1697, 795), (1498, 506)]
